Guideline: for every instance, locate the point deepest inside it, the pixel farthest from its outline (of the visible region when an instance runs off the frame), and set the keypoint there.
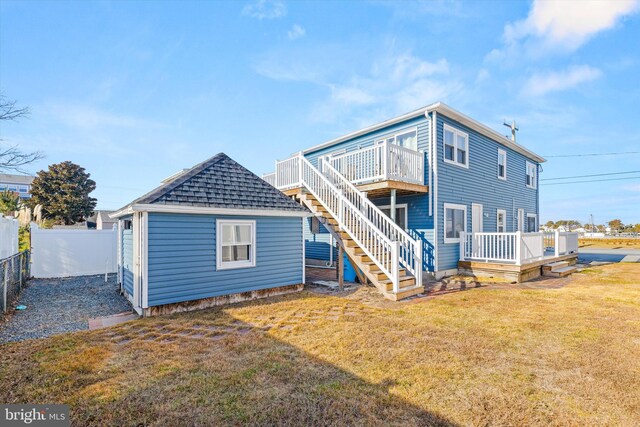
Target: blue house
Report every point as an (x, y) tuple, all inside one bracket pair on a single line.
[(427, 193), (212, 234)]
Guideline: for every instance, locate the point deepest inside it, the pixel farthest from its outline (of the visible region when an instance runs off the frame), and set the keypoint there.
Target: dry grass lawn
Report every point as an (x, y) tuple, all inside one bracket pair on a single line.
[(609, 243), (566, 355)]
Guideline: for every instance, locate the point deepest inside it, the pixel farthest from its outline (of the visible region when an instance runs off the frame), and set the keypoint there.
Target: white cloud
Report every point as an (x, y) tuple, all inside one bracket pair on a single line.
[(296, 32), (265, 9), (568, 24), (482, 75), (540, 84)]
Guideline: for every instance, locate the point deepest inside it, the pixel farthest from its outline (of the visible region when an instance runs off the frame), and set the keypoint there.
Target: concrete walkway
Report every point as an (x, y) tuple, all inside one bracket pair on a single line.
[(588, 255)]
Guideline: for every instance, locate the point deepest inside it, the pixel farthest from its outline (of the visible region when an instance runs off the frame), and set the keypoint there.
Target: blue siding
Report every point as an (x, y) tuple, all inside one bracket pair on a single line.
[(127, 261), (419, 224), (182, 257), (480, 184), (422, 123), (317, 246)]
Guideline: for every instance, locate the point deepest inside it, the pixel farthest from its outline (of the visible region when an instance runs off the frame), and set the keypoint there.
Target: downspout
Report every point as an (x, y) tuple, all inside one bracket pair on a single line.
[(436, 244)]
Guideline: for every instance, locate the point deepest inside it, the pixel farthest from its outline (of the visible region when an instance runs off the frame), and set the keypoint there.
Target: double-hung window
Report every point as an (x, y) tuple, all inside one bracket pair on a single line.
[(401, 214), (532, 171), (455, 221), (236, 244), (502, 164), (456, 147)]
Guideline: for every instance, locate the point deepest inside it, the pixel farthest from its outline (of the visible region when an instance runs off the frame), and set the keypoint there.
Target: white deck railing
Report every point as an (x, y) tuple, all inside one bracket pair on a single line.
[(382, 251), (517, 248), (270, 178), (383, 161), (288, 173), (410, 250)]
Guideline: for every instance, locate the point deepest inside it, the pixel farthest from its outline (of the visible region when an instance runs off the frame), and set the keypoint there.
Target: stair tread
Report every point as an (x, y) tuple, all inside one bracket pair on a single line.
[(565, 269), (557, 264)]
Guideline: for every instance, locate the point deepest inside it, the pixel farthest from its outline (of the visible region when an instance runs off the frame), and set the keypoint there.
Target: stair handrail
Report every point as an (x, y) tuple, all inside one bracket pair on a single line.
[(383, 251), (410, 251)]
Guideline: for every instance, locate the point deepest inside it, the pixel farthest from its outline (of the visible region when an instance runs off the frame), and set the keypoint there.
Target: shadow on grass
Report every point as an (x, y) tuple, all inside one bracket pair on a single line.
[(198, 368)]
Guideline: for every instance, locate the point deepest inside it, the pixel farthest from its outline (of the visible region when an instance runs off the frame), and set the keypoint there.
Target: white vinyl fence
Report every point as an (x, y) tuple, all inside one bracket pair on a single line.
[(8, 237), (64, 253)]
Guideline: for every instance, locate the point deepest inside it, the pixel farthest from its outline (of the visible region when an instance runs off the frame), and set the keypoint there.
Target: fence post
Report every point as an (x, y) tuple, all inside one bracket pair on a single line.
[(556, 243), (4, 287), (518, 247)]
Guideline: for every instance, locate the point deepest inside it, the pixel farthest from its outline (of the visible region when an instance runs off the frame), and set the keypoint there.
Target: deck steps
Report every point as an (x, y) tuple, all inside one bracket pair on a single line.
[(558, 269), (407, 286)]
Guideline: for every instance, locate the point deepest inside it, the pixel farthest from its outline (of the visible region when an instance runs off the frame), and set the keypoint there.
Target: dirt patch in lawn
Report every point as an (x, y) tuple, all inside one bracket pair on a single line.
[(609, 243), (559, 356)]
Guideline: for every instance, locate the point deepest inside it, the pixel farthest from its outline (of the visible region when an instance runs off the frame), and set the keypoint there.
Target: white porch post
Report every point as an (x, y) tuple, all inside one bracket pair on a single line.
[(463, 241), (395, 261), (393, 206), (556, 243), (518, 247)]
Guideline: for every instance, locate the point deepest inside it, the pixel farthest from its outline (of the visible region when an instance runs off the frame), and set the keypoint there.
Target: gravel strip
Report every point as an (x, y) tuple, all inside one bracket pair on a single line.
[(56, 306)]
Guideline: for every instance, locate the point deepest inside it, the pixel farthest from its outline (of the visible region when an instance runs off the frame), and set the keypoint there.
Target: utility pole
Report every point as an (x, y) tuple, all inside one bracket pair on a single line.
[(514, 128)]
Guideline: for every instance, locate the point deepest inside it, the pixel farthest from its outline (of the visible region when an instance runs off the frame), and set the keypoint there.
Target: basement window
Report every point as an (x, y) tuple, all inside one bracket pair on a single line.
[(236, 244)]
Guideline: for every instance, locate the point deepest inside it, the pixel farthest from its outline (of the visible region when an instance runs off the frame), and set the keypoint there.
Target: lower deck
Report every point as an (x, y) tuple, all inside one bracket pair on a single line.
[(511, 272)]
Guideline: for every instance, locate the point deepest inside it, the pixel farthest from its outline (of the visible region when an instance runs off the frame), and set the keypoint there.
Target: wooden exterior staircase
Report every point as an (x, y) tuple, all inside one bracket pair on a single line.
[(383, 252)]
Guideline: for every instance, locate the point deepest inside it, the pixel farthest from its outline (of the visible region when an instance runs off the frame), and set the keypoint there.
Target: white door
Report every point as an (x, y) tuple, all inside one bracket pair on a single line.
[(476, 218), (520, 220)]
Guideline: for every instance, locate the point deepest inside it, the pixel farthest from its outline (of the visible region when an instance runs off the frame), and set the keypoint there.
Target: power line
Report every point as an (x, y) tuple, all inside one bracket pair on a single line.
[(588, 176), (591, 180), (594, 154)]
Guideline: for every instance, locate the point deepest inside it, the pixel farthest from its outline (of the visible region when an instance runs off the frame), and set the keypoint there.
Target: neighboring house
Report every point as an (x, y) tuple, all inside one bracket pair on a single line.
[(20, 184), (213, 234), (401, 195), (104, 221)]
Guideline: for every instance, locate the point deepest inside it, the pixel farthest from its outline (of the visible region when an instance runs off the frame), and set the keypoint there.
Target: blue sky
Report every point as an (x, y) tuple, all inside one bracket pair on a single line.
[(135, 91)]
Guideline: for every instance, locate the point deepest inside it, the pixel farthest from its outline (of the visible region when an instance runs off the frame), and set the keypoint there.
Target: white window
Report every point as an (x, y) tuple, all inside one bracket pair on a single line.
[(407, 139), (532, 223), (236, 244), (501, 220), (401, 214), (456, 147), (532, 170), (502, 164), (455, 221)]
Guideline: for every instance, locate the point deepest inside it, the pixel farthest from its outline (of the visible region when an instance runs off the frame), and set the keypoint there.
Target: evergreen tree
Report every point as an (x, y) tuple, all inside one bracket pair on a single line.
[(63, 191), (9, 202)]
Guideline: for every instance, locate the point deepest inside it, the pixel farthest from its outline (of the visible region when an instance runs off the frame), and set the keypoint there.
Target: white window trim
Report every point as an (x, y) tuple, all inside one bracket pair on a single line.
[(504, 216), (456, 132), (399, 205), (535, 174), (220, 265), (381, 139), (444, 228), (501, 151), (537, 227)]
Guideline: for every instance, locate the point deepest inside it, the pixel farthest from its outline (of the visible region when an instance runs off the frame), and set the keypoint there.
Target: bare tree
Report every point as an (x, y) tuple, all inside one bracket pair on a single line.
[(11, 158)]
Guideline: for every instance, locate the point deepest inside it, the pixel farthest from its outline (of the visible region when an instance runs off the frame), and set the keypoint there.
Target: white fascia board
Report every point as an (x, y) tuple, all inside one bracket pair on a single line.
[(140, 207), (127, 210), (443, 109), (484, 130)]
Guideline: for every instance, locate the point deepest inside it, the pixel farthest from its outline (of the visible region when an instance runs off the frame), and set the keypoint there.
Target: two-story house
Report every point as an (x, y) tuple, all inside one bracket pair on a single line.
[(430, 191), (20, 184)]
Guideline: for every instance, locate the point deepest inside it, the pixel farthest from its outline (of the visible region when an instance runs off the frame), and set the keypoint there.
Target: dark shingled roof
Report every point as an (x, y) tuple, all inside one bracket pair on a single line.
[(220, 182)]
